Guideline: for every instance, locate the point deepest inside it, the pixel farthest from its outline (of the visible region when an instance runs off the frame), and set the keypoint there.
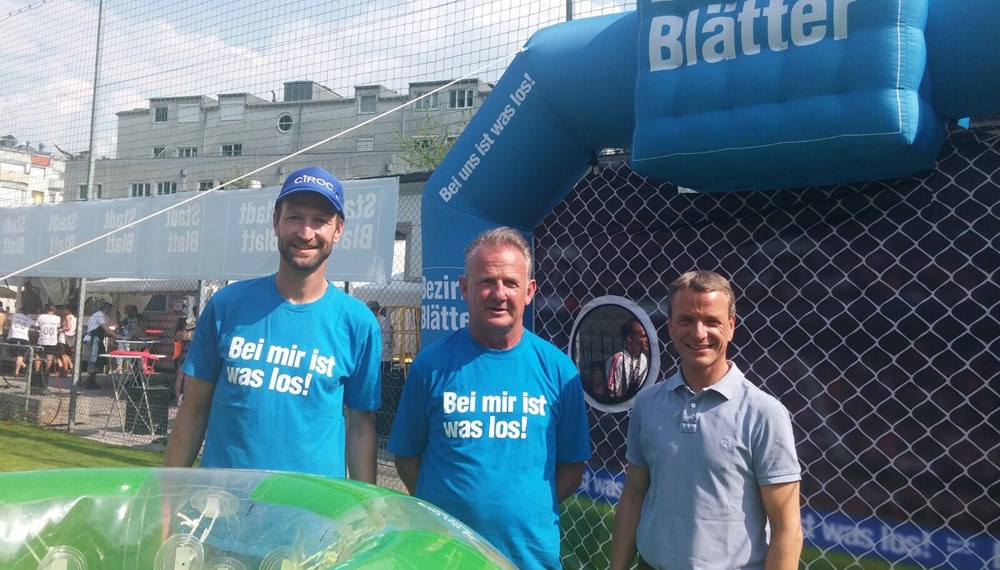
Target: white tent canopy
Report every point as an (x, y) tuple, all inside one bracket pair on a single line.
[(146, 286)]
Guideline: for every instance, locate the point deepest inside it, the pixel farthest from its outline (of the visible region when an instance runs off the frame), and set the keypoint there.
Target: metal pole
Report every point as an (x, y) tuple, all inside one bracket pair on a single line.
[(91, 190), (91, 195), (569, 10), (75, 380)]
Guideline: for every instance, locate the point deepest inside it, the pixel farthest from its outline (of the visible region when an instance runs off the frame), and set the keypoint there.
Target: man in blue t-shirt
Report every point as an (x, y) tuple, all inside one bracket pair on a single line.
[(492, 425), (275, 361)]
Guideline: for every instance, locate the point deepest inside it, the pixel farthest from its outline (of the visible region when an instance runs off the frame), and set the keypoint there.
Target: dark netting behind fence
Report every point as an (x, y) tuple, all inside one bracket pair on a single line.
[(871, 311)]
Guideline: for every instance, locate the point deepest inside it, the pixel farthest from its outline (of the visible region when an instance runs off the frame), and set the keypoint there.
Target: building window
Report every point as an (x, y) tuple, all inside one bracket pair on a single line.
[(366, 144), (85, 195), (160, 114), (166, 188), (423, 142), (159, 152), (205, 185), (139, 189), (460, 98), (187, 151), (427, 103), (188, 113), (234, 149), (231, 111), (285, 123), (298, 91), (367, 104)]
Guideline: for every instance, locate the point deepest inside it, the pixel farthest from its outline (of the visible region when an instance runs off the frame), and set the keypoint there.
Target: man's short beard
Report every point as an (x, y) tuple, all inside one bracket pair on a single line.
[(295, 264)]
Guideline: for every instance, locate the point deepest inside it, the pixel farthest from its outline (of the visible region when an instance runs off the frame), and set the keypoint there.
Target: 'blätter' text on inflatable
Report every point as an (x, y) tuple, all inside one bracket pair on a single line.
[(713, 96)]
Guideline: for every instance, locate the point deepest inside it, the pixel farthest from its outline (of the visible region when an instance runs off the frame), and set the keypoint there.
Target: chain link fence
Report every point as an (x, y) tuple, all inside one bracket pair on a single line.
[(872, 312), (118, 107)]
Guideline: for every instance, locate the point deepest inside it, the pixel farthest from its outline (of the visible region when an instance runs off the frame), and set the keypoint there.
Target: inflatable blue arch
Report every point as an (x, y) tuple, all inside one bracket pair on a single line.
[(712, 96)]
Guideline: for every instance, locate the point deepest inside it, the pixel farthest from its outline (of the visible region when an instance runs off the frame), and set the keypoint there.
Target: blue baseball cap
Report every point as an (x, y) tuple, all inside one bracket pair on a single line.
[(313, 179)]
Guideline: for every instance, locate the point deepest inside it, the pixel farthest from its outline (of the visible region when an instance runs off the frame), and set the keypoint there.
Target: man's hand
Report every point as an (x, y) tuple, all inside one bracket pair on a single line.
[(188, 431), (627, 515)]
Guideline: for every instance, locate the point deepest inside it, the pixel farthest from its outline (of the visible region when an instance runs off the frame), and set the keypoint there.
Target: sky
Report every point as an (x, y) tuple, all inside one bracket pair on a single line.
[(161, 49)]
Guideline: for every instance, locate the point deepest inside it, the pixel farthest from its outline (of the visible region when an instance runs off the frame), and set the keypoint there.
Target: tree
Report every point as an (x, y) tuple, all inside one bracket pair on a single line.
[(426, 149)]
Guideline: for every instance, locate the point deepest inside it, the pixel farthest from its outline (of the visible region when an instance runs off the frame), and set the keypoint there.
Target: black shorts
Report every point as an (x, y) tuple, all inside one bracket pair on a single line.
[(20, 342), (41, 350)]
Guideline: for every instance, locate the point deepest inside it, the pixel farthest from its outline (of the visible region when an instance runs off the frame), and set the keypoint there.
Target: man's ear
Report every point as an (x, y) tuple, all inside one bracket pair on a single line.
[(339, 230)]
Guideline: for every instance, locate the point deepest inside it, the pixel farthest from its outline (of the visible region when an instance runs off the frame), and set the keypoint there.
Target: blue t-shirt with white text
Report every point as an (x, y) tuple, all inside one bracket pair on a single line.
[(282, 374), (490, 427)]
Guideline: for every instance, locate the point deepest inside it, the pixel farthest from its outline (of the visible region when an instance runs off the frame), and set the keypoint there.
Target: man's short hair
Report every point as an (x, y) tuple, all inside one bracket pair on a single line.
[(702, 281), (628, 328), (502, 236)]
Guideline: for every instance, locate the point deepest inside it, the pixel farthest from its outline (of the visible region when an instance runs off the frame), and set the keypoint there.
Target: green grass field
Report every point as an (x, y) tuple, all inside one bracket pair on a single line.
[(587, 546), (26, 448)]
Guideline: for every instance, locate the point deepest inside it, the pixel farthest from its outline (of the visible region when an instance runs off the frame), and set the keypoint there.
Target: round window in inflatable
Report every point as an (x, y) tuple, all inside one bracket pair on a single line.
[(614, 345)]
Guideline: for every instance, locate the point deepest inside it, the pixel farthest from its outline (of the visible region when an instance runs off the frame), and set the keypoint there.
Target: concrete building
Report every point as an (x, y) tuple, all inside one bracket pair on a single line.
[(188, 143), (191, 143), (28, 175)]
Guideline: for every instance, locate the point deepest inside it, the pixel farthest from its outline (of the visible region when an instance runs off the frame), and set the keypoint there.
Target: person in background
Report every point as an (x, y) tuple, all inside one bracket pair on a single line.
[(20, 328), (31, 299), (386, 328), (133, 325), (492, 425), (98, 329), (712, 470), (183, 333), (283, 370), (48, 337), (629, 366), (67, 342)]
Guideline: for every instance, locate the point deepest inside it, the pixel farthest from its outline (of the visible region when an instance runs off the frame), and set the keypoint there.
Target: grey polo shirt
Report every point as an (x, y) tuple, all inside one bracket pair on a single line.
[(707, 455)]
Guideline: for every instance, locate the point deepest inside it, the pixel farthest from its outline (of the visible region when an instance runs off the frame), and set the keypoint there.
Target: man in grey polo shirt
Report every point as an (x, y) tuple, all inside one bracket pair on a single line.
[(711, 458)]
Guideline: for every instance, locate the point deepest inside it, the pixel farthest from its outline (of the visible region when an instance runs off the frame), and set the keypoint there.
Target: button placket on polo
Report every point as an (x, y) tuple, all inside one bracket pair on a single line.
[(689, 416)]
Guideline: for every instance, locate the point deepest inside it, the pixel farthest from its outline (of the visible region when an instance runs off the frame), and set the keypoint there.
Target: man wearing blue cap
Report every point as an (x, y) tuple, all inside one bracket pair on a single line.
[(276, 362)]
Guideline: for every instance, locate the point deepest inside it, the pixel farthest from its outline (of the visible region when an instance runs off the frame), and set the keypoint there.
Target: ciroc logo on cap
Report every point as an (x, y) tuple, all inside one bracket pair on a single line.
[(315, 180)]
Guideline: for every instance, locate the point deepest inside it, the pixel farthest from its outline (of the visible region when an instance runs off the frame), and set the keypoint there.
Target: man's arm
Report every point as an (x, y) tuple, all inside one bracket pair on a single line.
[(568, 477), (408, 469), (781, 504), (106, 325), (627, 514), (188, 432), (614, 372), (361, 438)]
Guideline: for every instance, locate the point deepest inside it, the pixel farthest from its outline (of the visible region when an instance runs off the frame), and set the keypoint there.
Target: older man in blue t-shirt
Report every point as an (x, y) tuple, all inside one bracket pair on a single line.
[(711, 458), (492, 425)]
